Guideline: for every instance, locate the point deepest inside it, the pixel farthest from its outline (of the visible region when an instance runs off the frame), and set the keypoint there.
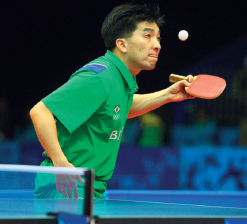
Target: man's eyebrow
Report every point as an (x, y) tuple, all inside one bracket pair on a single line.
[(149, 29)]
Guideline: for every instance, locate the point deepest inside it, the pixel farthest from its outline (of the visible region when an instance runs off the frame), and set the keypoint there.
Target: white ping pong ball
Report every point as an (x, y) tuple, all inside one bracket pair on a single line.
[(183, 35)]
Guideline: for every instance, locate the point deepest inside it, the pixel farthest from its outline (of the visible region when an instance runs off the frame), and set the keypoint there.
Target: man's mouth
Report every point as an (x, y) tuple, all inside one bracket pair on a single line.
[(153, 55)]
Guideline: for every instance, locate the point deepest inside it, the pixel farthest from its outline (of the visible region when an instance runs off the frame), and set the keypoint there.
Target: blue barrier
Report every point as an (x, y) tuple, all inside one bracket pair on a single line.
[(23, 193), (213, 168), (144, 168), (164, 168)]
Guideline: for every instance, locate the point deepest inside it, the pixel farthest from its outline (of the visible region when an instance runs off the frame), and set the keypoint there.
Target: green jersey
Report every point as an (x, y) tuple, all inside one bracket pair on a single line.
[(90, 111)]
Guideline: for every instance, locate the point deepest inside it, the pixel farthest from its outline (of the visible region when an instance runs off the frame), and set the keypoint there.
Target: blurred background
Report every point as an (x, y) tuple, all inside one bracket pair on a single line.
[(191, 145)]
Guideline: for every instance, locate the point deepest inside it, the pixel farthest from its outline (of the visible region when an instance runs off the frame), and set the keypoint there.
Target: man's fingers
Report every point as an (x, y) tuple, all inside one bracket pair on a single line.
[(181, 84), (75, 190), (190, 78), (61, 190), (67, 185), (69, 192), (79, 178)]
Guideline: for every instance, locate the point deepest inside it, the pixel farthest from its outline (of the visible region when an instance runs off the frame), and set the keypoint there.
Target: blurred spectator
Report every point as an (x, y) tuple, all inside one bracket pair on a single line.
[(152, 130), (201, 131), (205, 128), (239, 87), (131, 131), (4, 118), (243, 132), (25, 130)]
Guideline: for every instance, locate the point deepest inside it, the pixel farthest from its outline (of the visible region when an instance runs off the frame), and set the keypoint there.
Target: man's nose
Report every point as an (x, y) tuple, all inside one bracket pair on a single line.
[(157, 45)]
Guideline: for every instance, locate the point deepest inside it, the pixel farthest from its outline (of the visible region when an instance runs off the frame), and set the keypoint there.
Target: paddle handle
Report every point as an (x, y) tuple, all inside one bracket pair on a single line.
[(175, 78)]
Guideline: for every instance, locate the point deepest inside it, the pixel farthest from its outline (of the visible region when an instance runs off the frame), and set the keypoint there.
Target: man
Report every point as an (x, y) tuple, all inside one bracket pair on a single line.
[(81, 123)]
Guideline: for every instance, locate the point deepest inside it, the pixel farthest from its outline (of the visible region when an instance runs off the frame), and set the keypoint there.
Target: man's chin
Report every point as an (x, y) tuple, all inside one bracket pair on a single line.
[(150, 67)]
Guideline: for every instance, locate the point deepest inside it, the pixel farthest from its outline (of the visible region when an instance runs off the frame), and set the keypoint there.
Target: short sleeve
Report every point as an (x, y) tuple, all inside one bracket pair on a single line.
[(75, 102)]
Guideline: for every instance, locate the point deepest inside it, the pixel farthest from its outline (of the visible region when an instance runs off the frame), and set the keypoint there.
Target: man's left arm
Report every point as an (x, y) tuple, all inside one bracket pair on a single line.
[(143, 103)]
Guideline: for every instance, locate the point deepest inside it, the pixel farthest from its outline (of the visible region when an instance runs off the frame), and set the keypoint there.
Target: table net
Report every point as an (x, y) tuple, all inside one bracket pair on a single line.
[(36, 190)]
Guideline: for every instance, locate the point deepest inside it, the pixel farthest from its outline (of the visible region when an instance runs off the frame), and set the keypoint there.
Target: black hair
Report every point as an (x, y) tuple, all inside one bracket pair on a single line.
[(122, 21)]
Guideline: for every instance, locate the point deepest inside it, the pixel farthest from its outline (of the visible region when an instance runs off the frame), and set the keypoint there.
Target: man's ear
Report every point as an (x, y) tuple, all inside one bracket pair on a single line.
[(122, 45)]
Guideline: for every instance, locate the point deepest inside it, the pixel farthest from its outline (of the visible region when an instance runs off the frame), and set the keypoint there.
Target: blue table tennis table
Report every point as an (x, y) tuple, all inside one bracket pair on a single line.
[(21, 209)]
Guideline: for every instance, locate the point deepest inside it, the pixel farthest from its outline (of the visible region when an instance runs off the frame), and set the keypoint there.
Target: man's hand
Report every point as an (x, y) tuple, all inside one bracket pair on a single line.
[(65, 182), (177, 90), (45, 127)]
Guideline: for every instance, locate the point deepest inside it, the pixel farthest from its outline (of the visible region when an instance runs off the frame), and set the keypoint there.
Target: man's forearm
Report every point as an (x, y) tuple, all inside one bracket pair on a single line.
[(46, 131), (143, 103)]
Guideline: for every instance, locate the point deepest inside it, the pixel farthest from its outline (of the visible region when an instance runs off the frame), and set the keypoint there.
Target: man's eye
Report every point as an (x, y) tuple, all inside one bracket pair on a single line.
[(159, 38), (148, 36)]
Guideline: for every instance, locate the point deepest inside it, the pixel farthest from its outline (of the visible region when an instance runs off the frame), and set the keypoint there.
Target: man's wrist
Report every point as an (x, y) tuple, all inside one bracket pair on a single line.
[(167, 96), (60, 161)]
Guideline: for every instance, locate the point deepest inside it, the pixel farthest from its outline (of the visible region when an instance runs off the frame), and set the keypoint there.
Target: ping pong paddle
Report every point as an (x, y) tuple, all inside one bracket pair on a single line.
[(204, 86)]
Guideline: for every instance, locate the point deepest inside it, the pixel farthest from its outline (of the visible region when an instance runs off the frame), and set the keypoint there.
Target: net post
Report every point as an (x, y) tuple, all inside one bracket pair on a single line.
[(89, 194)]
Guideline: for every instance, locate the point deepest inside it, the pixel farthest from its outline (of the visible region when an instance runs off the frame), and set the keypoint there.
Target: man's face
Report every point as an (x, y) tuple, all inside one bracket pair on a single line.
[(144, 46)]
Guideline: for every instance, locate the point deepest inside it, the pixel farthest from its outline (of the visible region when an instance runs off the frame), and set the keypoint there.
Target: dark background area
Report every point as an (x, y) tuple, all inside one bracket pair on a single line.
[(44, 42)]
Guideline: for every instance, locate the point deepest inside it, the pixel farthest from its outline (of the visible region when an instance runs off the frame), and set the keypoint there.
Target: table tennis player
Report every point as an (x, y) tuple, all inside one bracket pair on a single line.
[(81, 123)]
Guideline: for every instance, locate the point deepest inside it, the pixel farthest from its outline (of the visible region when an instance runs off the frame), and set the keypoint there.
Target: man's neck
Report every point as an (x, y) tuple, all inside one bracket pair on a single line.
[(133, 70)]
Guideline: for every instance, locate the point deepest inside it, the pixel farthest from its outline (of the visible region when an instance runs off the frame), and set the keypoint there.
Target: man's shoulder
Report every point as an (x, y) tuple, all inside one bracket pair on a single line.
[(98, 66), (101, 68)]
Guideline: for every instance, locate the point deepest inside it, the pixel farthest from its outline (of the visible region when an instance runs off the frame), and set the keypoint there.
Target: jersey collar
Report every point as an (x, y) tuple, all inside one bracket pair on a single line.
[(123, 69)]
